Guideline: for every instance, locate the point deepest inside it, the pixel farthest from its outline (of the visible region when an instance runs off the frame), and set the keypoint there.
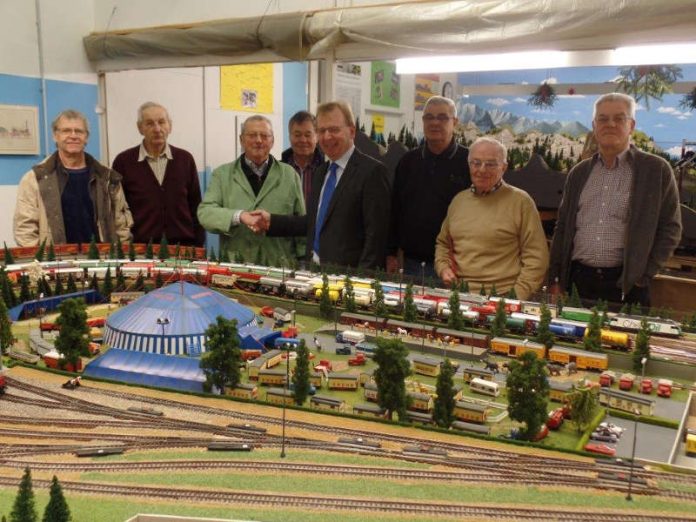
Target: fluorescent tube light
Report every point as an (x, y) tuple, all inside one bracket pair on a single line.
[(655, 54)]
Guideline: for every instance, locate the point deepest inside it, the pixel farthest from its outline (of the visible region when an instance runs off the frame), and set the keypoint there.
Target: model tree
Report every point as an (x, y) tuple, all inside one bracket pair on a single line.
[(24, 509), (57, 509), (6, 338), (9, 260), (220, 362), (325, 307), (24, 291), (378, 306), (93, 252), (410, 310), (72, 338), (528, 393), (211, 255), (51, 256), (455, 319), (159, 280), (593, 337), (464, 286), (583, 403), (543, 334), (131, 251), (482, 291), (443, 412), (392, 369), (120, 280), (642, 348), (164, 248), (94, 283), (8, 294), (224, 257), (40, 252), (108, 285), (70, 286), (500, 319), (349, 295), (119, 249), (139, 282), (300, 379), (574, 297), (59, 290)]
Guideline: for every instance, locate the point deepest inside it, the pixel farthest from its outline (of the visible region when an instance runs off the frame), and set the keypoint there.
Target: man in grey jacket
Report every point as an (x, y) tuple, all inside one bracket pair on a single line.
[(619, 220)]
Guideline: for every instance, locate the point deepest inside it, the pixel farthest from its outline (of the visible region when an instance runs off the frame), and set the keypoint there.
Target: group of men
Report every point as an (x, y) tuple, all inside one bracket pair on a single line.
[(448, 212)]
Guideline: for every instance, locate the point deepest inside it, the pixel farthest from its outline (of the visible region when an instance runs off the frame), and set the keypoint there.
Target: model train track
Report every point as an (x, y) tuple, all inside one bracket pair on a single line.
[(314, 502)]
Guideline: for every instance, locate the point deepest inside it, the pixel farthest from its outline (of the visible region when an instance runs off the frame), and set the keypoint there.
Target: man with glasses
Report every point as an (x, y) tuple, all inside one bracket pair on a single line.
[(254, 180), (348, 210), (161, 183), (70, 197), (492, 236), (619, 220), (426, 180)]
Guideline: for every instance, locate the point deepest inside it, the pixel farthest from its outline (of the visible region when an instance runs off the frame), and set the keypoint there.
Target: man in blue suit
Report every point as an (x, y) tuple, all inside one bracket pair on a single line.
[(348, 211)]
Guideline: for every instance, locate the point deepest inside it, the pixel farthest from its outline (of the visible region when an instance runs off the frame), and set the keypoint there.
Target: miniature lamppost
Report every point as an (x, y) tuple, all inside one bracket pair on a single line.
[(285, 392), (635, 432), (423, 277), (163, 321), (41, 296)]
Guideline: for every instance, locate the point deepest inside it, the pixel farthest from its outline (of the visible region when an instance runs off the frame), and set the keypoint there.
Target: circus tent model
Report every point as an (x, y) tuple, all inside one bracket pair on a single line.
[(172, 320)]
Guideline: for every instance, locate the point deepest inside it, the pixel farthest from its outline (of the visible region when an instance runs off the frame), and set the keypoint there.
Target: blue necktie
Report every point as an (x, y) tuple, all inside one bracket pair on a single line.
[(329, 188)]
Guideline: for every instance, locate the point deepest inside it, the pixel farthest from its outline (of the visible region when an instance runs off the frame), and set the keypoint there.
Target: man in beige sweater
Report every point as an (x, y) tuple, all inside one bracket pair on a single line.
[(492, 235)]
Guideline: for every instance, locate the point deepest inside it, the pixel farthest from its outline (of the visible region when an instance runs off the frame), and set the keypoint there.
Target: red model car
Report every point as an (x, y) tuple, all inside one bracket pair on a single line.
[(595, 447)]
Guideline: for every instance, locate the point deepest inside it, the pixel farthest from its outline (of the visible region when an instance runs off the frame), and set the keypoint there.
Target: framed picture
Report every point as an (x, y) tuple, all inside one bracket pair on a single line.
[(19, 129)]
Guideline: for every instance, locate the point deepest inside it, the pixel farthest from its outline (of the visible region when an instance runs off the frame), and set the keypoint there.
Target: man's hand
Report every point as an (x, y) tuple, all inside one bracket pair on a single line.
[(448, 277), (258, 221), (392, 264)]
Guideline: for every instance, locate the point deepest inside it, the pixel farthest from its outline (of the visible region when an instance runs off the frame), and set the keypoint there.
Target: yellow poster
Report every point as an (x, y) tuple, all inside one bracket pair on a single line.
[(247, 87), (378, 122)]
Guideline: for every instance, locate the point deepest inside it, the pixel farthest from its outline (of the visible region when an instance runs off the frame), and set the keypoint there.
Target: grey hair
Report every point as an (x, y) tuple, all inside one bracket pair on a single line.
[(490, 141), (441, 100), (149, 105), (616, 97), (70, 114), (256, 117)]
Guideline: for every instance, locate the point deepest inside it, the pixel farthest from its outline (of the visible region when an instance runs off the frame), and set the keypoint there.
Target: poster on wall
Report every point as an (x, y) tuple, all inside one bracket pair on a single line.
[(385, 85), (427, 85), (19, 126), (348, 88), (247, 87)]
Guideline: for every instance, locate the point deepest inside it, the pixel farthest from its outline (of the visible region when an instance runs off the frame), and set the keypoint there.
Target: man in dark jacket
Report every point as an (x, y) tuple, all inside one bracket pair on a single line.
[(160, 183), (303, 155), (619, 220)]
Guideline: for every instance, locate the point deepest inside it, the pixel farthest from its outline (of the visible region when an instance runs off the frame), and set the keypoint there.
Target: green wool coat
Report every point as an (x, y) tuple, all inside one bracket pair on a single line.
[(229, 191)]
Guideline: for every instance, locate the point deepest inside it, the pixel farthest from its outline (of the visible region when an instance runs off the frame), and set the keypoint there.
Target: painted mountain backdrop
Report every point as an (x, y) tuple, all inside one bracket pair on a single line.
[(487, 119)]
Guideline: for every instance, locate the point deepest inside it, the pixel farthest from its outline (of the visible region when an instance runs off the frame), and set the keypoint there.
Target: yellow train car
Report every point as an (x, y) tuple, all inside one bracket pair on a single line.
[(280, 396), (691, 445), (516, 347), (425, 365), (322, 402), (343, 381), (244, 391), (583, 359), (560, 391), (272, 377), (316, 379), (616, 340), (369, 410), (420, 401), (470, 412), (335, 291)]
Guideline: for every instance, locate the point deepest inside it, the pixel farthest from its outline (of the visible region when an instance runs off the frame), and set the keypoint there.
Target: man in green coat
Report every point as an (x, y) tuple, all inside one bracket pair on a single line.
[(256, 180)]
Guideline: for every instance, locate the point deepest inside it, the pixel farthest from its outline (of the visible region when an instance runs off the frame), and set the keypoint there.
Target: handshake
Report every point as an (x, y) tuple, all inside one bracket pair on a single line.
[(258, 221)]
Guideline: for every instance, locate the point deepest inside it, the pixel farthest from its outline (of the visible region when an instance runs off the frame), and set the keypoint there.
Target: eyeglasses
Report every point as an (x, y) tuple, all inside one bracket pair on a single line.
[(488, 165), (258, 135), (331, 130), (68, 132), (440, 118), (616, 119)]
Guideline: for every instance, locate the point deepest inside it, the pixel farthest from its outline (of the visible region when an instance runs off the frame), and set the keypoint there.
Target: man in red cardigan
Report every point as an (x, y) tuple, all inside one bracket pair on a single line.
[(160, 183)]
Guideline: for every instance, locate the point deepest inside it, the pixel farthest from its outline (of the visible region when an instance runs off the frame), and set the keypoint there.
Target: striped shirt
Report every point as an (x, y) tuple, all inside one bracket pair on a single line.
[(157, 164), (603, 214)]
